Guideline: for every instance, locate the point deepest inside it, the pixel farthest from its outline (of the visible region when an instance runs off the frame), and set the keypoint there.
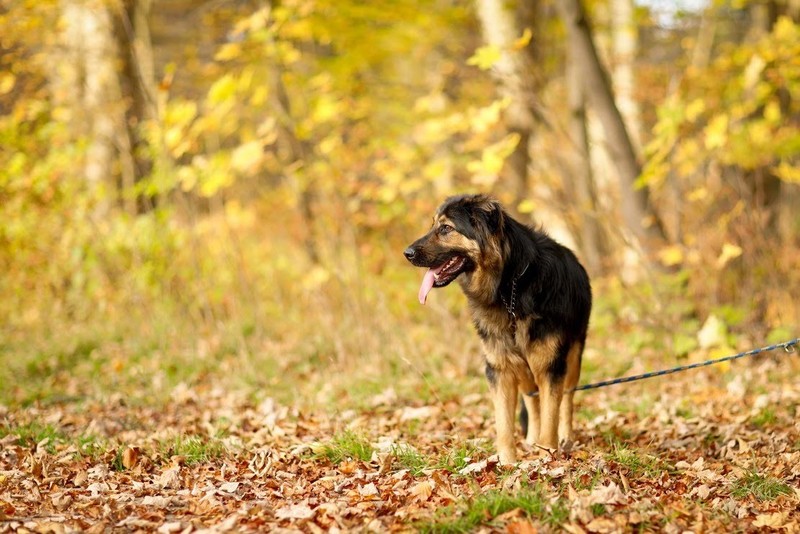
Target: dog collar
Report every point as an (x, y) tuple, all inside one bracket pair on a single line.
[(511, 306)]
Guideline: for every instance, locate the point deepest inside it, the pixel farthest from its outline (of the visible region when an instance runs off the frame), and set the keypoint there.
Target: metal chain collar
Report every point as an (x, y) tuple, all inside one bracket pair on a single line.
[(510, 306)]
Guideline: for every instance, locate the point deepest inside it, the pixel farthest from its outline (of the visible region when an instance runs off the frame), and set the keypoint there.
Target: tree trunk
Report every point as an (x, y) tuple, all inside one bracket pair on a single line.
[(582, 180), (85, 83), (137, 81), (514, 75), (296, 154), (636, 211), (625, 44), (104, 77)]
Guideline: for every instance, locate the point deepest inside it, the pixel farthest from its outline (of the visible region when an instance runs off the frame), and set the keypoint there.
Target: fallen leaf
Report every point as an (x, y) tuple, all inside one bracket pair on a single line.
[(422, 490), (475, 467), (521, 527), (130, 457), (774, 520), (170, 478), (97, 488), (702, 491), (368, 490), (159, 501), (80, 478), (229, 487), (610, 494), (295, 511), (168, 528), (423, 412), (348, 467), (61, 501), (602, 524)]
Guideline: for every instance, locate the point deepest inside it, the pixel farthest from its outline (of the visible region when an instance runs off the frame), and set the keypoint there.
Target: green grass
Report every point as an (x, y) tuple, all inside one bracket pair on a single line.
[(637, 463), (90, 445), (194, 449), (457, 459), (408, 458), (763, 488), (598, 509), (34, 432), (485, 507), (765, 417), (346, 445)]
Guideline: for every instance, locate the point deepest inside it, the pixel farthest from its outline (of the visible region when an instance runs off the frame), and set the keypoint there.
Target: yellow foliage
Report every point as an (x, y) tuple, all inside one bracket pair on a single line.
[(492, 159), (485, 57), (222, 90), (522, 41), (787, 172), (716, 133), (729, 252), (671, 255), (7, 82), (247, 157)]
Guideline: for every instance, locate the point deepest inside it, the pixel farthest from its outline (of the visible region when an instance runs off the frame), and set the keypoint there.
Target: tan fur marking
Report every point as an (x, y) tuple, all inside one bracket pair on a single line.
[(504, 396), (565, 434), (540, 356)]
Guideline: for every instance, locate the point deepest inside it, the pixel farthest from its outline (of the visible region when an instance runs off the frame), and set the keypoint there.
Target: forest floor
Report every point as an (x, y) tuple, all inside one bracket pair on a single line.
[(703, 451)]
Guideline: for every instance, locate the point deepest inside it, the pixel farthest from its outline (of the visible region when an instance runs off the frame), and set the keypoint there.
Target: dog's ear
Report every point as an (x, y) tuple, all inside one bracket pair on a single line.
[(490, 212)]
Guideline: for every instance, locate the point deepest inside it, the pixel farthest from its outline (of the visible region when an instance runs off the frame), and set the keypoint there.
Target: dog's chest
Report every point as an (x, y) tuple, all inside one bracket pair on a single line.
[(501, 334)]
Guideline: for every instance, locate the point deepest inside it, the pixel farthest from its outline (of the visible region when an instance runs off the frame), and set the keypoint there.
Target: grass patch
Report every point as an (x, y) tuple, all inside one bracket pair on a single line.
[(32, 433), (410, 459), (598, 509), (90, 445), (345, 445), (636, 463), (485, 507), (459, 458), (194, 449), (763, 488), (765, 417)]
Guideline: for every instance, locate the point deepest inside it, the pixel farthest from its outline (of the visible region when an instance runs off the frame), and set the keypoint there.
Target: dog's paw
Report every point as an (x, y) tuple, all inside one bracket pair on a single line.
[(508, 457)]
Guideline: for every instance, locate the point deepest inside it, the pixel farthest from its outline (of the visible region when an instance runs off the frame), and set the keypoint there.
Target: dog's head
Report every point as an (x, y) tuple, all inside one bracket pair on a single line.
[(465, 237)]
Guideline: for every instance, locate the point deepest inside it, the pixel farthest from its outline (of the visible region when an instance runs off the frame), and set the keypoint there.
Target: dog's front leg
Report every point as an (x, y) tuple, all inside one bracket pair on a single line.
[(504, 395)]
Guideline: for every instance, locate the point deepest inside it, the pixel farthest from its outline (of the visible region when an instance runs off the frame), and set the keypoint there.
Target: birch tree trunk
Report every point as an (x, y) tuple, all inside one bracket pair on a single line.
[(85, 83), (514, 73), (636, 211), (103, 76), (625, 38), (582, 179)]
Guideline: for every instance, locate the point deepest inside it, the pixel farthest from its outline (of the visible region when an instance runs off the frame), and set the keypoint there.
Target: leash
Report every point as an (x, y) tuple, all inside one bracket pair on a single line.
[(787, 346)]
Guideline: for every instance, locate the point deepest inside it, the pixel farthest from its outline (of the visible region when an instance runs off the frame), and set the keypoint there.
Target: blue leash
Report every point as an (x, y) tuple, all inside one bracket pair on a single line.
[(788, 346)]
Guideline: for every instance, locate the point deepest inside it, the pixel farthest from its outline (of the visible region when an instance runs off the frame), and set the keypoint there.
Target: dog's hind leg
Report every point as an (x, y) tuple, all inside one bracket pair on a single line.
[(550, 392), (530, 428), (565, 435)]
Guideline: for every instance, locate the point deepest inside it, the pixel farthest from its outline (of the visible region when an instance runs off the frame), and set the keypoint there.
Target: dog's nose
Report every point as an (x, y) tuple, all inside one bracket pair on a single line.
[(409, 253)]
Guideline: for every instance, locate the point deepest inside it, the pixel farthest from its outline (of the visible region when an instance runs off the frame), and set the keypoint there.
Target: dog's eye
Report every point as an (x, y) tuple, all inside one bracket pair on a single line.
[(445, 229)]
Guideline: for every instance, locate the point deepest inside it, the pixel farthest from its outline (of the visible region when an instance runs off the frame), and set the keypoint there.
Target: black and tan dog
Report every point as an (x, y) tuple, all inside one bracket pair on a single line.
[(530, 300)]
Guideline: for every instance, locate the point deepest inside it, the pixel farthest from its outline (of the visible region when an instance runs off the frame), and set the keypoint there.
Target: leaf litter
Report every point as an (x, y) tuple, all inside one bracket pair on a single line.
[(694, 457)]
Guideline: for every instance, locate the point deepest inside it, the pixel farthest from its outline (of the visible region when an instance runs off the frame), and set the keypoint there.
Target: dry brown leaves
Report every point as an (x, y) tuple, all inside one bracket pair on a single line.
[(673, 465)]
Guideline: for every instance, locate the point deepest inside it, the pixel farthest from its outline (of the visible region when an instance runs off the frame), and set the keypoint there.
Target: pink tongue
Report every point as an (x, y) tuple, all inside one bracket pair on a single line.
[(427, 285)]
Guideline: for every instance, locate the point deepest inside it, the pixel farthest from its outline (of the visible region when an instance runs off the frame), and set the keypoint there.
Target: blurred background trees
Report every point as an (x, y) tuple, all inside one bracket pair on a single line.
[(254, 168)]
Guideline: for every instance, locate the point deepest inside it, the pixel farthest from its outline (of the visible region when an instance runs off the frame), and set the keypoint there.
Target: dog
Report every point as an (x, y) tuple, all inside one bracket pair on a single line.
[(530, 300)]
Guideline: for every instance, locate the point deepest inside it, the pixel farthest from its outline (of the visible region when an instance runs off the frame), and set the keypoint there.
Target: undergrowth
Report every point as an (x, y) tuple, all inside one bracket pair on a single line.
[(484, 508)]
